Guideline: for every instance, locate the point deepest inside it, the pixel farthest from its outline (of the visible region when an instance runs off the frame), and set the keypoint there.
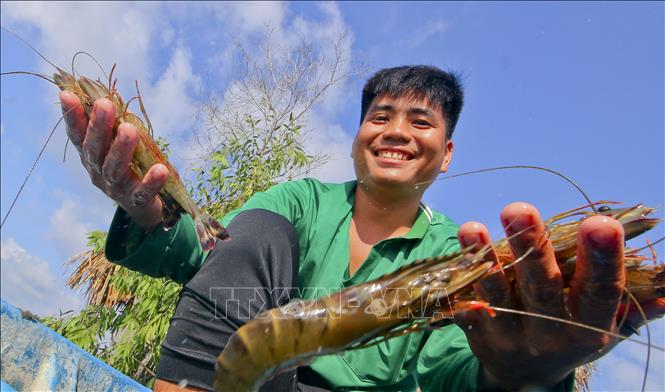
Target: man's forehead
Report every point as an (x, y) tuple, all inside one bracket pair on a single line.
[(403, 102)]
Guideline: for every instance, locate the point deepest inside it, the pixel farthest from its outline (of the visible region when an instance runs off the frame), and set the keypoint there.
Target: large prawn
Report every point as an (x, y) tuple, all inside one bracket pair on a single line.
[(425, 293)]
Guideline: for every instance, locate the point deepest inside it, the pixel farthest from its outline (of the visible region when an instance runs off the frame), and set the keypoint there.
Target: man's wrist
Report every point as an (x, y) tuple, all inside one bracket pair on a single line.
[(146, 221), (124, 237)]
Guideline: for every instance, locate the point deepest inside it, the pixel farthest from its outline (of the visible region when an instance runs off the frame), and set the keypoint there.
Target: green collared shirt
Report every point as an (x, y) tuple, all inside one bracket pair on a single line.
[(321, 215)]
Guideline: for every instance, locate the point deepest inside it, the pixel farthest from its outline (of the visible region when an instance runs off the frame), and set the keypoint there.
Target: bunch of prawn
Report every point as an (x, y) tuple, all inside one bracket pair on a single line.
[(174, 196), (422, 295)]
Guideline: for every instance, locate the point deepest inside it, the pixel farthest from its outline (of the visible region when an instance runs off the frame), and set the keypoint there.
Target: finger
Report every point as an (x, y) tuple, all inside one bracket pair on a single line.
[(494, 288), (150, 185), (116, 169), (599, 279), (98, 135), (76, 120), (538, 276)]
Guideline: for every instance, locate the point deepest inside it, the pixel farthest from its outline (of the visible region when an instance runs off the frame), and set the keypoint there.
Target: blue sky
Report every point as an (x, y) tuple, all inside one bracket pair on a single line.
[(576, 87)]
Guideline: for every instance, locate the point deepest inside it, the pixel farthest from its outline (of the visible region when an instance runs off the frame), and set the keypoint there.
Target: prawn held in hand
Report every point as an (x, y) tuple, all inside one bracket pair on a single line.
[(147, 153), (423, 295)]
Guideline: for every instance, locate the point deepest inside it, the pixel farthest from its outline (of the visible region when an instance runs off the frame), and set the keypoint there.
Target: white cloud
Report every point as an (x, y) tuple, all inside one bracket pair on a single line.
[(126, 34), (324, 133), (112, 32), (323, 34), (28, 283), (167, 35), (426, 32), (330, 139), (68, 229), (251, 17), (171, 107)]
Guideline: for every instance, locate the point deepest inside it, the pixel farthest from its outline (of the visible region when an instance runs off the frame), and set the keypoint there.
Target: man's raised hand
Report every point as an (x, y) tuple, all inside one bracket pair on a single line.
[(516, 351), (107, 160)]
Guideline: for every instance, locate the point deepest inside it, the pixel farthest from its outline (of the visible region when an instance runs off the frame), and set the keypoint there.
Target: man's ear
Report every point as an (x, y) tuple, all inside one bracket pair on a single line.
[(448, 157), (353, 146)]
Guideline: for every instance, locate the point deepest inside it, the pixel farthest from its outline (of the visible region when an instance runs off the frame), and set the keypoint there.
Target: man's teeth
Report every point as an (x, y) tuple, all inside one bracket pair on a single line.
[(393, 155)]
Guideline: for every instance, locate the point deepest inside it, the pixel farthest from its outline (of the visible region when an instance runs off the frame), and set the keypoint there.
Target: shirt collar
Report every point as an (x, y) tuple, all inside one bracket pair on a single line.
[(420, 226)]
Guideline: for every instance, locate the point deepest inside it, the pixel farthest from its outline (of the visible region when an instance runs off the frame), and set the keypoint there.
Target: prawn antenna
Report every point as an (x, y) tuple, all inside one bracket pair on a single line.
[(27, 73), (112, 82), (48, 139), (29, 46), (93, 59), (646, 326), (575, 324), (64, 153), (570, 180), (124, 111), (650, 245), (145, 113)]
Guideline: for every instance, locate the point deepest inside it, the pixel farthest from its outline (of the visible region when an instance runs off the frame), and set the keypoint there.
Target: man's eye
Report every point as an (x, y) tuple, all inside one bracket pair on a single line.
[(380, 119), (422, 123)]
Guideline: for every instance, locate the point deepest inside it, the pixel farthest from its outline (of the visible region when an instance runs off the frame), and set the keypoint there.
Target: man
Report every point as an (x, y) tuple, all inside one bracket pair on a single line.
[(308, 234)]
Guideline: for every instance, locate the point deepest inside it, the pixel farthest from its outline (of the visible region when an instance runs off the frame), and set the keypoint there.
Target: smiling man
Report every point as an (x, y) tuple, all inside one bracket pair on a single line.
[(306, 234)]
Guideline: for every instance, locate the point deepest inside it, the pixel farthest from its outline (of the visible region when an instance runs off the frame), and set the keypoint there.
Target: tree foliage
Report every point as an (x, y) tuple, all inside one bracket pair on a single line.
[(256, 130), (250, 163)]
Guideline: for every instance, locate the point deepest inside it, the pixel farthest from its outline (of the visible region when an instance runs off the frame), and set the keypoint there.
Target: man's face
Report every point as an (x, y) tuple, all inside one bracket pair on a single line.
[(401, 145)]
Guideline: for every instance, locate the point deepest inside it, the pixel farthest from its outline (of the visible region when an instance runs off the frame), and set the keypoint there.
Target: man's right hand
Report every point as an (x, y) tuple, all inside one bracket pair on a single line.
[(107, 160)]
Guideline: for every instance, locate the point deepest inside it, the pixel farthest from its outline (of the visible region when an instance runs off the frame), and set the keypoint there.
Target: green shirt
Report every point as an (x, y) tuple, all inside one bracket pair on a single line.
[(321, 215)]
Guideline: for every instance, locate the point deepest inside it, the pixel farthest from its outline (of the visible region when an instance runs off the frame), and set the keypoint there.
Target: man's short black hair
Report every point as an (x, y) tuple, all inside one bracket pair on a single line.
[(442, 89)]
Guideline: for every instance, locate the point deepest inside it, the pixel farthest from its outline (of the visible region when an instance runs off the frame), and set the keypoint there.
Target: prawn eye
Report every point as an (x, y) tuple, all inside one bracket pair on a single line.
[(604, 208)]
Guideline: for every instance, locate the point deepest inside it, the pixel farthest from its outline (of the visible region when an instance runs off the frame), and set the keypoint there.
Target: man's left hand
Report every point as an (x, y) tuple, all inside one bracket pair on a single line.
[(517, 351)]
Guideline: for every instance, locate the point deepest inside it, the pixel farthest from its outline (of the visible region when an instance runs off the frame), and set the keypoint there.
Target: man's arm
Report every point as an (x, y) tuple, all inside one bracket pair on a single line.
[(176, 253)]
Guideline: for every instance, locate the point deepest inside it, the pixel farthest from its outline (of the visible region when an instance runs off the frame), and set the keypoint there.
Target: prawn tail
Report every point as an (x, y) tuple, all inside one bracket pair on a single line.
[(209, 228)]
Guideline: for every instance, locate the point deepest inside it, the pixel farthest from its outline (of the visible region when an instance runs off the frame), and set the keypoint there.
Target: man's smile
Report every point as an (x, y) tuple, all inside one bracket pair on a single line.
[(393, 154)]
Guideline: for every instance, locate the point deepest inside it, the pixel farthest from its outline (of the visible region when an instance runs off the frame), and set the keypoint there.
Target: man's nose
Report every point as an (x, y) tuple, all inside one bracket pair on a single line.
[(398, 130)]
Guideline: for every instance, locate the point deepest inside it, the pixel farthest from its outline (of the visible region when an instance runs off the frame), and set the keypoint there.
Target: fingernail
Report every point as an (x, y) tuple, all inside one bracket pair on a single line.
[(67, 94), (123, 137), (163, 171), (470, 238), (518, 223), (98, 103), (603, 237)]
